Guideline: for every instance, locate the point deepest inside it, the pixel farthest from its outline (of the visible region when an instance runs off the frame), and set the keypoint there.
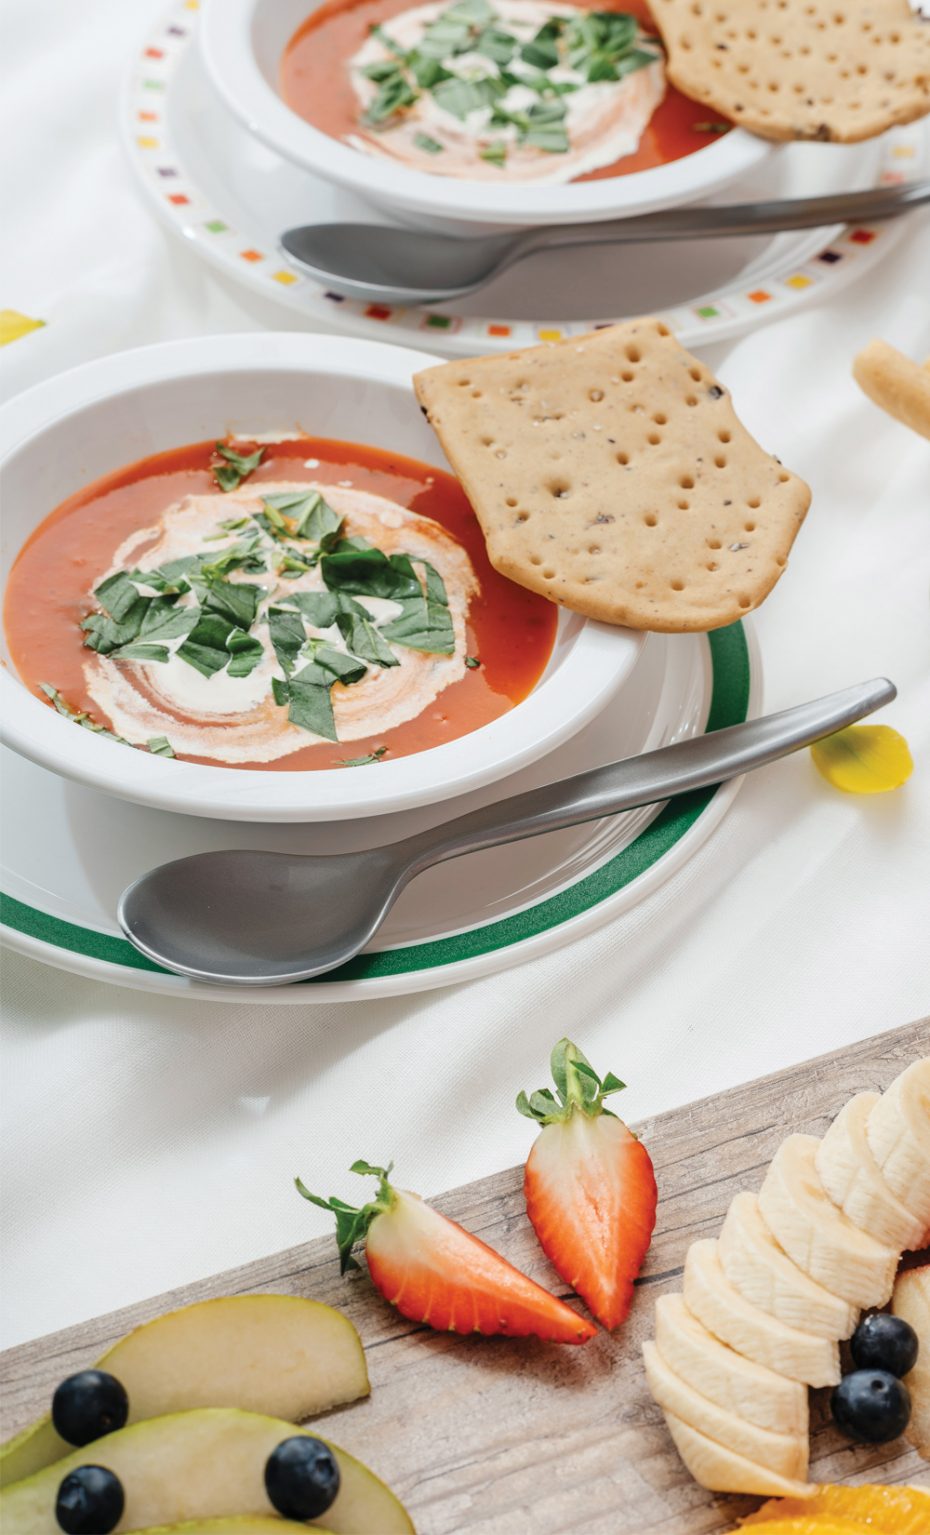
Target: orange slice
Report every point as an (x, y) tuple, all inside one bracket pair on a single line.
[(883, 1510)]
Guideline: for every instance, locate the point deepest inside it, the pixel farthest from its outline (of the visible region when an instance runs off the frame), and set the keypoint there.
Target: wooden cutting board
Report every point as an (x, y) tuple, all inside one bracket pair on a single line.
[(501, 1437)]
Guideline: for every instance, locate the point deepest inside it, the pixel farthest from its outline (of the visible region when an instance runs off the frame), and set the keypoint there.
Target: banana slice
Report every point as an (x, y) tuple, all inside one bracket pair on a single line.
[(713, 1300), (818, 1236), (722, 1470), (737, 1385), (899, 1134), (854, 1180), (765, 1276), (911, 1300), (785, 1454)]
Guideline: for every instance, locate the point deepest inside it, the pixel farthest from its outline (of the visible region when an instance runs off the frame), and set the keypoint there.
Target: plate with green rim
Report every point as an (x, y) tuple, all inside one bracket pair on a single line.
[(59, 884)]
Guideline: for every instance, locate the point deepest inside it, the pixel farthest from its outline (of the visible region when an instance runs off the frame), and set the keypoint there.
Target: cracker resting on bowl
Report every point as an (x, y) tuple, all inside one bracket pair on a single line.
[(891, 380), (611, 473), (842, 70)]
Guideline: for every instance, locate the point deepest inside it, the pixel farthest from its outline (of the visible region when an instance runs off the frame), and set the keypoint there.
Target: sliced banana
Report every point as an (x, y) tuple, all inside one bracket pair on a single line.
[(818, 1236), (854, 1181), (911, 1300), (788, 1351), (785, 1454), (899, 1134), (722, 1470), (764, 1275), (737, 1385)]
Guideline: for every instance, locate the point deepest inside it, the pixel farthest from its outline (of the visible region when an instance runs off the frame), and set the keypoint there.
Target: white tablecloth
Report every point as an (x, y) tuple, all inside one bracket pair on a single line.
[(149, 1142)]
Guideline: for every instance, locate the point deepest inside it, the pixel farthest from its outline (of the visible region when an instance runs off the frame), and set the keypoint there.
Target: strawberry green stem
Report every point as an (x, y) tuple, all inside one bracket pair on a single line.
[(352, 1222), (579, 1089)]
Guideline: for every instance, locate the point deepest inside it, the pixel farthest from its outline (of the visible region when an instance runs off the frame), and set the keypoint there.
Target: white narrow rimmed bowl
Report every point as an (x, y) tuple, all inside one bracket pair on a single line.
[(67, 432), (242, 42)]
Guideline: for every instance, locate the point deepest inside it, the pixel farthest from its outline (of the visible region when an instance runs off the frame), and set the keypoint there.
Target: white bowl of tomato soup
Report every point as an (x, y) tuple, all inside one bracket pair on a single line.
[(240, 581), (464, 112)]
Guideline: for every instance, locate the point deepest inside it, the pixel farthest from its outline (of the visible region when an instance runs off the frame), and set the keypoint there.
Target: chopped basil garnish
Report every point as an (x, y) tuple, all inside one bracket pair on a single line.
[(472, 663), (597, 45), (79, 716), (374, 756), (238, 466), (495, 152), (207, 611), (160, 746)]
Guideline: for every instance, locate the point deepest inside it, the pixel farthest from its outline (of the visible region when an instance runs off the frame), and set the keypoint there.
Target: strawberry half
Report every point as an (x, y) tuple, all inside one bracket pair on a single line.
[(589, 1185), (434, 1271)]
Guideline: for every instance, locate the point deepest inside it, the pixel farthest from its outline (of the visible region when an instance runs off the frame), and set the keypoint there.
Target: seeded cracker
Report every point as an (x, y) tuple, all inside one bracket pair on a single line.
[(610, 473), (898, 385), (843, 70)]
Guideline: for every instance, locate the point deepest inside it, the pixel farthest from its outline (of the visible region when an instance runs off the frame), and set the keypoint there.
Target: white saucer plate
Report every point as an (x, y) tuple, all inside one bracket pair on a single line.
[(229, 198), (65, 864)]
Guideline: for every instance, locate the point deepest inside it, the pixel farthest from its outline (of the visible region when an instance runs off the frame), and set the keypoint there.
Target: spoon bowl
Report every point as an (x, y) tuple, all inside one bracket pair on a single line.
[(268, 919)]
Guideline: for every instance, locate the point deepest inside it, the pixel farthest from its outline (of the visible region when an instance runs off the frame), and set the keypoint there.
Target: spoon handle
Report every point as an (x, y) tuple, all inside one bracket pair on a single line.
[(730, 219), (647, 779)]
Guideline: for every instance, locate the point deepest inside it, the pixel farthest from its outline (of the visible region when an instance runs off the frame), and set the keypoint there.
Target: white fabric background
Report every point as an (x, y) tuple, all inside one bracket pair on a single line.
[(148, 1142)]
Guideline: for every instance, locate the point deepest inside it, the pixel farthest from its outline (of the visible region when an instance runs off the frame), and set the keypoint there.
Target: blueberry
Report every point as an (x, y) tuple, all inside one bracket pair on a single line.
[(871, 1405), (88, 1405), (883, 1342), (90, 1501), (301, 1477)]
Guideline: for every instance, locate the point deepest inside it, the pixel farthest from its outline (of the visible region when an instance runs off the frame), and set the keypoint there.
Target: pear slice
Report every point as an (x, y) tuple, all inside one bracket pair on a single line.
[(785, 1454), (899, 1135), (722, 1470), (709, 1295), (854, 1181), (911, 1300), (764, 1275), (276, 1354), (200, 1465), (818, 1236), (739, 1386), (234, 1524)]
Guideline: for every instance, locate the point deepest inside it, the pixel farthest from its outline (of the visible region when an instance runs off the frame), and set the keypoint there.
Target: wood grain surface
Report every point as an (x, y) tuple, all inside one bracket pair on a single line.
[(503, 1437)]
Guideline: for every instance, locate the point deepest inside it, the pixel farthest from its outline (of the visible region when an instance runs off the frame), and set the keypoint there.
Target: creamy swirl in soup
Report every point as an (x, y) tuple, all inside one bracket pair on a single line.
[(293, 604), (494, 90)]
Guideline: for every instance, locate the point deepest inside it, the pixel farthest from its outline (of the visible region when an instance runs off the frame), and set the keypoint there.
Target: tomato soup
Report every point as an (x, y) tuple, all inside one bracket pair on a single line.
[(333, 605), (525, 90)]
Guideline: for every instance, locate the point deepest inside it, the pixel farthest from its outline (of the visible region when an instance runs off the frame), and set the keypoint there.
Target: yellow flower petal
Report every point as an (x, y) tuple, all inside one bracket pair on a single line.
[(864, 759), (13, 325)]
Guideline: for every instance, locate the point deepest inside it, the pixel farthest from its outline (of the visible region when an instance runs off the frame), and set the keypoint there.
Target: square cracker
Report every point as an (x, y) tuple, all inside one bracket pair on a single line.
[(843, 70), (610, 473)]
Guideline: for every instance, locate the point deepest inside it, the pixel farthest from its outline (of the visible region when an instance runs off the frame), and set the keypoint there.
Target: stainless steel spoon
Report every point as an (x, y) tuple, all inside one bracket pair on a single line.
[(247, 918), (387, 264)]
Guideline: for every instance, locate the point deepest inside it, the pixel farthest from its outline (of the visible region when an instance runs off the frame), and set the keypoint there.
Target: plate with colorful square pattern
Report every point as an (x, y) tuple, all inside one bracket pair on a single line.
[(229, 198)]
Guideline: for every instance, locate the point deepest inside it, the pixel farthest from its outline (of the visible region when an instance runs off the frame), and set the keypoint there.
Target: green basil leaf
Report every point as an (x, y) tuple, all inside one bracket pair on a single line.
[(460, 97), (494, 43), (373, 756), (393, 96), (245, 652), (318, 608), (117, 596), (238, 466), (495, 152), (236, 600), (105, 635), (205, 646), (79, 716), (165, 620), (428, 145), (425, 622), (310, 707), (328, 666), (288, 636), (364, 639), (369, 573), (160, 746), (140, 651)]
